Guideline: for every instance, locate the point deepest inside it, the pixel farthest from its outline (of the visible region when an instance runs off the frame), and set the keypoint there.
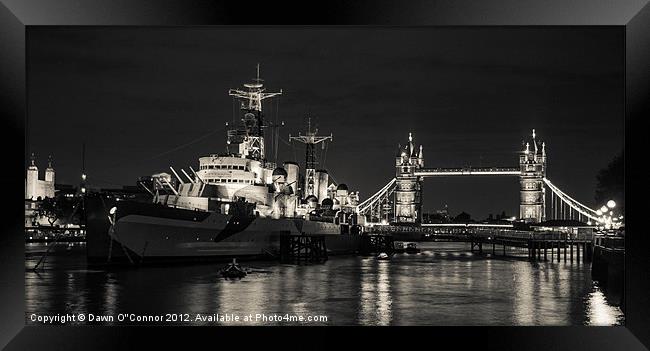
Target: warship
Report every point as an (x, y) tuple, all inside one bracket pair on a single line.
[(236, 204)]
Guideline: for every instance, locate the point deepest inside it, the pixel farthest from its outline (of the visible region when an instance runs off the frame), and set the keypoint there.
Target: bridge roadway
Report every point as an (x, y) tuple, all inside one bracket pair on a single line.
[(537, 242), (432, 172)]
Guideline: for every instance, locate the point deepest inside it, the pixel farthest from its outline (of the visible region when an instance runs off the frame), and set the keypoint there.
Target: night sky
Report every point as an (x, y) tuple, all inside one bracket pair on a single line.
[(469, 95)]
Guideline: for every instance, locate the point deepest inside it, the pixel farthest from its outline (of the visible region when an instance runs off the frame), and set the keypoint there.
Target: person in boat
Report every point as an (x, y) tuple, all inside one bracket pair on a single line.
[(233, 270), (383, 256)]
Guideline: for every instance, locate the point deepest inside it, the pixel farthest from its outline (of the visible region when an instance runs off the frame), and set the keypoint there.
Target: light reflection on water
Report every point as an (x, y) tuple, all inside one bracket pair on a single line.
[(599, 312), (444, 285)]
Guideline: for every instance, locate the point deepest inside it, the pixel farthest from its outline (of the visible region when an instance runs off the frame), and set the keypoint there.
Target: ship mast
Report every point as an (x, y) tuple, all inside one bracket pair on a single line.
[(310, 140), (251, 138)]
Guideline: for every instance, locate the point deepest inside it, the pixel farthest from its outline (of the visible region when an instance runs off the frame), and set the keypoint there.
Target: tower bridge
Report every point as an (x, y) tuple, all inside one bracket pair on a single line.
[(399, 202)]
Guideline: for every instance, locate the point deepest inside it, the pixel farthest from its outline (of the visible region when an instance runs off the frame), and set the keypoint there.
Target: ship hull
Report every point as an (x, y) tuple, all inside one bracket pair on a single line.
[(148, 233)]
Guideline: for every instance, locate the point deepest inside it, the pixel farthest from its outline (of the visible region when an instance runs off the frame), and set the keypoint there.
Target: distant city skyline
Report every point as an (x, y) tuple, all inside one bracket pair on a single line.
[(144, 99)]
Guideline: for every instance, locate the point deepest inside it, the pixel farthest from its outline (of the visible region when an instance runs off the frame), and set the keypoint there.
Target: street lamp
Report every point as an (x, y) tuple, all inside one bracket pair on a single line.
[(604, 209), (611, 203)]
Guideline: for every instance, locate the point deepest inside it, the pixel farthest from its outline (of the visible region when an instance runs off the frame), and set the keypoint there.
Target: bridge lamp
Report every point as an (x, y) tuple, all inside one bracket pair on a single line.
[(599, 212), (604, 209), (611, 203)]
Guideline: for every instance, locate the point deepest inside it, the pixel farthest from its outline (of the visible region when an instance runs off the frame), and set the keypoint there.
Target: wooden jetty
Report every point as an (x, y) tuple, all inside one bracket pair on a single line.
[(303, 249), (540, 245)]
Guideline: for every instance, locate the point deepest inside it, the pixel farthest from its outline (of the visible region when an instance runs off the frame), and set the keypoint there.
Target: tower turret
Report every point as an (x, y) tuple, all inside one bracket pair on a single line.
[(49, 171), (535, 144), (532, 164), (31, 181), (407, 194)]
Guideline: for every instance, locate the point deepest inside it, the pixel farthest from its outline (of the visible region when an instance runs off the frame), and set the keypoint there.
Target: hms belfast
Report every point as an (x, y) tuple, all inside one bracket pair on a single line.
[(235, 205)]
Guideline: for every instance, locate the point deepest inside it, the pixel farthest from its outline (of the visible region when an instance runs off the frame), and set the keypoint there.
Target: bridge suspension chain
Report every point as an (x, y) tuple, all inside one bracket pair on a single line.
[(378, 197), (571, 202), (559, 198)]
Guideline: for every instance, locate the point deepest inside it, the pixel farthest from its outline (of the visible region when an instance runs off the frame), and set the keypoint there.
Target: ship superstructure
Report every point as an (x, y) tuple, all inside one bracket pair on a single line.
[(246, 175), (236, 203)]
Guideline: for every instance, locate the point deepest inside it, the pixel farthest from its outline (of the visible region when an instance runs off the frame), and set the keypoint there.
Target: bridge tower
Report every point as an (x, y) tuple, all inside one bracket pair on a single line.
[(532, 162), (408, 186)]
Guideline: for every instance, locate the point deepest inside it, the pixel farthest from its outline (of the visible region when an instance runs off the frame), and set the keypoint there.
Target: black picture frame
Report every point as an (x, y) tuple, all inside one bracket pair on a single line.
[(632, 17)]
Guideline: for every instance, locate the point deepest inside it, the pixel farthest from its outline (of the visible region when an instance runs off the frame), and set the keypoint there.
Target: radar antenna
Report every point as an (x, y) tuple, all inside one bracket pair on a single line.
[(250, 136), (254, 94), (310, 139)]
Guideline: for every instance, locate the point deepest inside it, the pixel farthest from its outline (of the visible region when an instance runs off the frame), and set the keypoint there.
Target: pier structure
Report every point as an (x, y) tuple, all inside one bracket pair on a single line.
[(498, 239), (303, 249)]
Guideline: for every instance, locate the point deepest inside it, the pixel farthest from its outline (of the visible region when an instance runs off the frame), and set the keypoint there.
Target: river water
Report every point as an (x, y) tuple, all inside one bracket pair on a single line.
[(445, 284)]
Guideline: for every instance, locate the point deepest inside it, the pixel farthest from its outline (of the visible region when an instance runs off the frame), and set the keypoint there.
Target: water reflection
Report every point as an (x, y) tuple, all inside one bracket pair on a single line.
[(524, 293), (599, 312), (111, 296), (384, 300), (443, 285), (375, 294)]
